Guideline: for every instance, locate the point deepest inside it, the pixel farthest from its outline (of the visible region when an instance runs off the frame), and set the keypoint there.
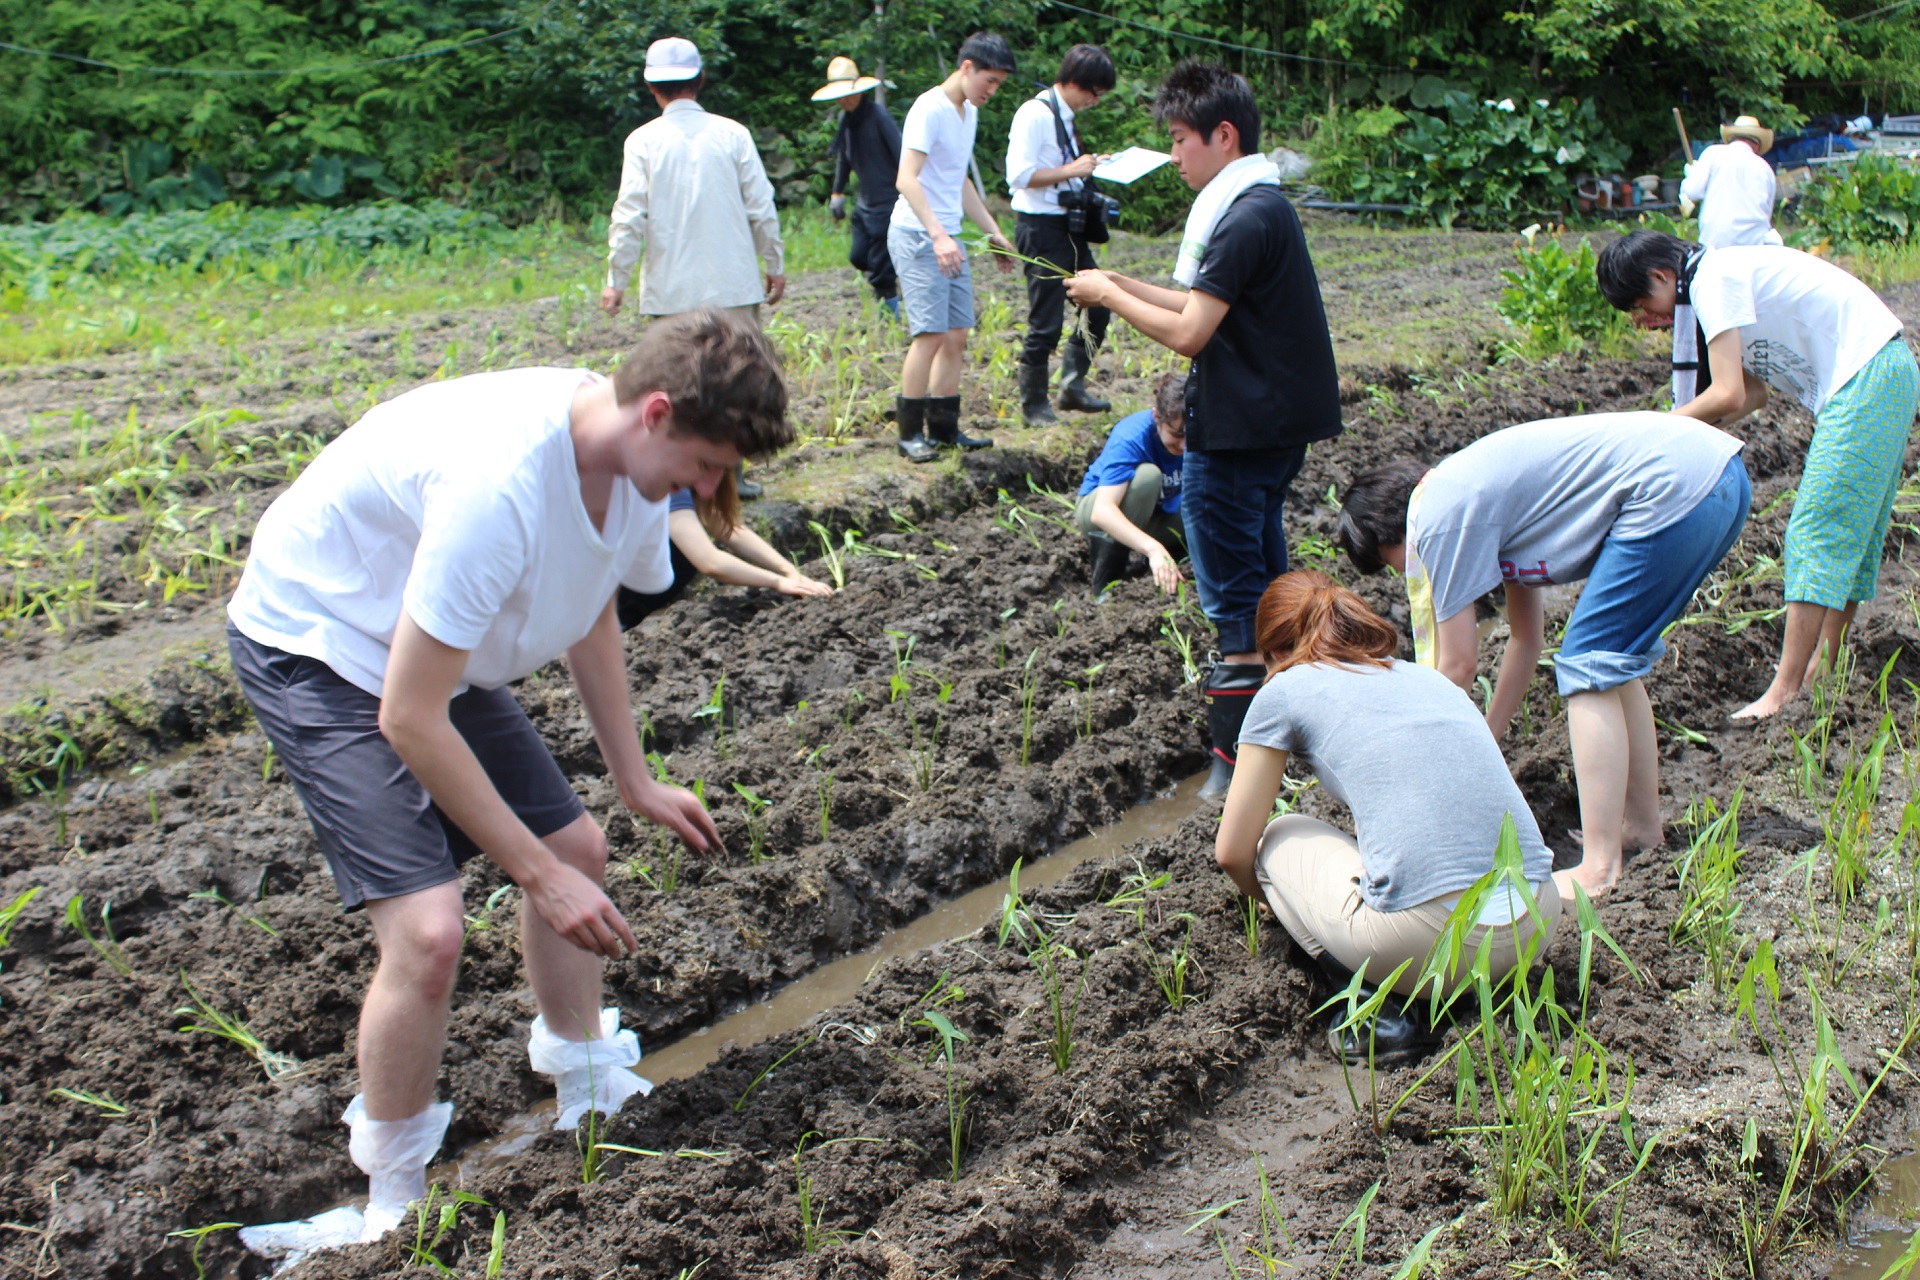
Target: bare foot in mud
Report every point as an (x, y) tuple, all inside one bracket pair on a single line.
[(1764, 707), (1589, 876)]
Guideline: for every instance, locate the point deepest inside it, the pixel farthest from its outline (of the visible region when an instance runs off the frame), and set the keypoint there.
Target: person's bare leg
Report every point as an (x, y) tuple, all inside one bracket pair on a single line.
[(917, 368), (947, 361), (1602, 764), (1642, 828), (403, 1021), (565, 979), (1833, 634), (1804, 624)]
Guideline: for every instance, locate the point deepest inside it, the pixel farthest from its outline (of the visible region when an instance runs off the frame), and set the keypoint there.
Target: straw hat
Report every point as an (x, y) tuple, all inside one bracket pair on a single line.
[(1749, 128), (843, 81)]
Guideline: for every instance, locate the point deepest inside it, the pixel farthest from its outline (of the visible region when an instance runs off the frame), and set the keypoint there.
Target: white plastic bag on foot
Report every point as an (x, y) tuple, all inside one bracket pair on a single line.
[(588, 1074)]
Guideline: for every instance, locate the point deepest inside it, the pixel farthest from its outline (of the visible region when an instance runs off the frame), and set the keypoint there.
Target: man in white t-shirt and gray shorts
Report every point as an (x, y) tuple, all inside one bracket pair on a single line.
[(452, 541), (1763, 315), (936, 284)]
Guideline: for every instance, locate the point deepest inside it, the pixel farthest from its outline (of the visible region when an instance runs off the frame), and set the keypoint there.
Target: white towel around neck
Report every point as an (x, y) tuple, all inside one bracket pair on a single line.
[(1211, 204)]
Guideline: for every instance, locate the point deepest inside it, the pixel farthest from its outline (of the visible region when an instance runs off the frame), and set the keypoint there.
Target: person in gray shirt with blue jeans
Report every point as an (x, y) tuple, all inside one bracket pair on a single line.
[(1639, 506), (1408, 753)]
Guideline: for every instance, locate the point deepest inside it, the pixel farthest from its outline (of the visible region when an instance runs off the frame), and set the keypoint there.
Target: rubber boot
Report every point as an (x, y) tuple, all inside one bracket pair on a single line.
[(393, 1154), (1109, 562), (1035, 410), (1073, 382), (1229, 688), (1399, 1033), (943, 425), (912, 416), (892, 305), (747, 489), (588, 1075)]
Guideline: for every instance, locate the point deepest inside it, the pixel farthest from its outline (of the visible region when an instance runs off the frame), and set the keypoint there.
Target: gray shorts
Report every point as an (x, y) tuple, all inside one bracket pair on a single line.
[(934, 302), (382, 835)]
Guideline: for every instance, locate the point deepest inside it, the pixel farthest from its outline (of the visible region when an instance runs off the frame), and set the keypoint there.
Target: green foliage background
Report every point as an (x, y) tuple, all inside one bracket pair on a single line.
[(530, 123)]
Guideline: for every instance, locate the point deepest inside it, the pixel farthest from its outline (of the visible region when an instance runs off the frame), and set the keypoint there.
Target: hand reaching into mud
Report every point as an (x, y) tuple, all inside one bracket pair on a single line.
[(679, 811), (801, 587), (575, 908)]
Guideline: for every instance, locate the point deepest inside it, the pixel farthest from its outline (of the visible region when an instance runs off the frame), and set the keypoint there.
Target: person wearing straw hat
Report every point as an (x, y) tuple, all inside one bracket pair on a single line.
[(695, 200), (867, 146), (1734, 187)]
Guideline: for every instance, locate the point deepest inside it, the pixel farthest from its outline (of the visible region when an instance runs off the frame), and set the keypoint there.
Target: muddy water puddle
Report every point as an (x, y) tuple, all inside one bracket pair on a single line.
[(834, 984), (1880, 1232)]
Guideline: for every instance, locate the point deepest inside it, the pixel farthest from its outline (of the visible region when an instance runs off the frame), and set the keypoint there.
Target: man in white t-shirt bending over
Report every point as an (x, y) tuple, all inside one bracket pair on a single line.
[(1734, 187), (1761, 315), (452, 541)]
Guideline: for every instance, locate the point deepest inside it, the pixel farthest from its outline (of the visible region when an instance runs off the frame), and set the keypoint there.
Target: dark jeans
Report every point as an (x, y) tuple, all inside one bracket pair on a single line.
[(631, 606), (1044, 236), (1231, 500), (869, 249)]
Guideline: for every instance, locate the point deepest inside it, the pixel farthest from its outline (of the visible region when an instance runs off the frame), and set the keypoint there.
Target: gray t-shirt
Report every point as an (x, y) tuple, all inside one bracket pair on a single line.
[(1532, 504), (1406, 750)]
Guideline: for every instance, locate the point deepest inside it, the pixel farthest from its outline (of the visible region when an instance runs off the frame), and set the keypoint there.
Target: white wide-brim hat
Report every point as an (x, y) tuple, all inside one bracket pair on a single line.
[(1749, 128), (670, 60), (843, 81)]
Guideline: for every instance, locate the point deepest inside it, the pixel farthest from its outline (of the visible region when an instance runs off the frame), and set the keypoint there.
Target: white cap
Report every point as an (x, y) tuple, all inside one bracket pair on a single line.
[(672, 59)]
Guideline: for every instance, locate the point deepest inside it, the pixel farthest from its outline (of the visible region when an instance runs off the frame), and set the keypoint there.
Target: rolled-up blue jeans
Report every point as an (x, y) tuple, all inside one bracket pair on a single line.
[(1639, 586), (1231, 500)]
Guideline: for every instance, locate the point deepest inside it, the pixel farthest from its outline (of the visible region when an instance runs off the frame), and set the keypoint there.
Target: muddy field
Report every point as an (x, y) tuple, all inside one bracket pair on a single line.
[(1097, 1170)]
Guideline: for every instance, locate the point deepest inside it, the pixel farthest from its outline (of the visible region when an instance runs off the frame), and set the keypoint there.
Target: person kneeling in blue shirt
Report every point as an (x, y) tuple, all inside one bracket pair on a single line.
[(1130, 498)]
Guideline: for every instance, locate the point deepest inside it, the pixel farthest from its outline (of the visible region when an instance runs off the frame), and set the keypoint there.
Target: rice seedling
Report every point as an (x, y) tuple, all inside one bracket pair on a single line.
[(1027, 686), (714, 711), (1040, 938), (854, 699), (1170, 971), (1135, 886), (1415, 1264), (278, 1066), (1708, 872), (101, 1102), (63, 759), (740, 1103), (957, 1094), (497, 1248), (1016, 519), (812, 1234), (1250, 925), (944, 991), (199, 1237), (830, 555), (11, 912), (1000, 646), (1354, 1232), (107, 946), (797, 721), (757, 807), (1062, 618), (925, 741), (1849, 825), (214, 895), (424, 1251), (1272, 1228), (902, 645), (1084, 691), (1172, 634)]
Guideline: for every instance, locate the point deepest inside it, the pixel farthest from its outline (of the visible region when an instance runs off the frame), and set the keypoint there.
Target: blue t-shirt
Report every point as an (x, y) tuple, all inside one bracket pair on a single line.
[(1134, 441), (680, 500)]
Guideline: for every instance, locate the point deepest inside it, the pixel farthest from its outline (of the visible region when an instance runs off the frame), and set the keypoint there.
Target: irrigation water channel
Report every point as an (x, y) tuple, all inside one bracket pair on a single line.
[(835, 983), (1877, 1235)]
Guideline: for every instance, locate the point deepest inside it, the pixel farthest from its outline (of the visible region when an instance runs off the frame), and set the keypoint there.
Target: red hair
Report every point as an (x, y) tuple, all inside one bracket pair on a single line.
[(1306, 616)]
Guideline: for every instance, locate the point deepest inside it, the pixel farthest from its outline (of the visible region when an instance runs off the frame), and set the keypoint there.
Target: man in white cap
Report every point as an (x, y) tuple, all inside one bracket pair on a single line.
[(1734, 187), (695, 197), (867, 147)]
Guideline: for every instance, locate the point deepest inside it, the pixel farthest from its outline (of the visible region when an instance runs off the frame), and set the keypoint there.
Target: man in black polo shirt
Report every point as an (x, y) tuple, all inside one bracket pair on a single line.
[(867, 146), (1263, 385)]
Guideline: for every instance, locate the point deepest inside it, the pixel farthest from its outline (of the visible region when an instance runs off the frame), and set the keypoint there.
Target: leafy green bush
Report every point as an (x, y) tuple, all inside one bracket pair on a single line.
[(1479, 162), (1873, 202), (1555, 301)]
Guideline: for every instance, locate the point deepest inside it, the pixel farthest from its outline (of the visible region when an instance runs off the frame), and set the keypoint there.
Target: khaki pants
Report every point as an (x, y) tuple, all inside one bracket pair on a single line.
[(1310, 873)]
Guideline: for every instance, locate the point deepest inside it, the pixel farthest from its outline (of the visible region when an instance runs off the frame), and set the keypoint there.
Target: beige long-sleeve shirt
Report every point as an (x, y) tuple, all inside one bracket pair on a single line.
[(695, 198)]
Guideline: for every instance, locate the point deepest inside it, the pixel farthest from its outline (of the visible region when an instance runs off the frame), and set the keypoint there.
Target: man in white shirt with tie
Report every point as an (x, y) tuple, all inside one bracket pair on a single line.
[(694, 197)]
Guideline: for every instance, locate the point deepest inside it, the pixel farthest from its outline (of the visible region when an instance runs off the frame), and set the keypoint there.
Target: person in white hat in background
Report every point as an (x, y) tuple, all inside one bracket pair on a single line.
[(867, 147), (1733, 187)]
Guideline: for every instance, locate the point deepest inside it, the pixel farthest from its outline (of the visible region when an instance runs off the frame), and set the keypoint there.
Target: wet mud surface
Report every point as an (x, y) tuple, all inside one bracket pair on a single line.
[(1094, 1171)]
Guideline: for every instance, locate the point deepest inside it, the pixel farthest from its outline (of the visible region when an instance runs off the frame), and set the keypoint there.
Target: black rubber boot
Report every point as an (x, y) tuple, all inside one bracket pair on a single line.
[(912, 417), (1073, 382), (747, 489), (1398, 1034), (1109, 562), (943, 425), (1035, 410), (1229, 688)]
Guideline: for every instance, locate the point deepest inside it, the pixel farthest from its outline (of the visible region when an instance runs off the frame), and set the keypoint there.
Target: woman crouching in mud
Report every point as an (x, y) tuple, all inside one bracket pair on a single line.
[(1407, 751)]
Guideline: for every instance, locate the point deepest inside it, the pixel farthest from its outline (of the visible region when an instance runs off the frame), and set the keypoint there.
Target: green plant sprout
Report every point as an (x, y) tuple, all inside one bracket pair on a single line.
[(1354, 1232), (1135, 886), (715, 711), (944, 991), (1062, 618), (902, 645), (278, 1066), (830, 555), (266, 764), (1040, 938), (1420, 1257), (854, 699), (497, 1249), (1084, 729), (1015, 519), (1182, 643), (1170, 971), (757, 807), (1250, 925), (63, 760), (812, 1234), (444, 1217), (483, 922), (956, 1091), (100, 1102), (11, 912), (925, 741), (214, 895), (797, 720), (1708, 872), (740, 1103), (1028, 685), (199, 1237), (107, 945)]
